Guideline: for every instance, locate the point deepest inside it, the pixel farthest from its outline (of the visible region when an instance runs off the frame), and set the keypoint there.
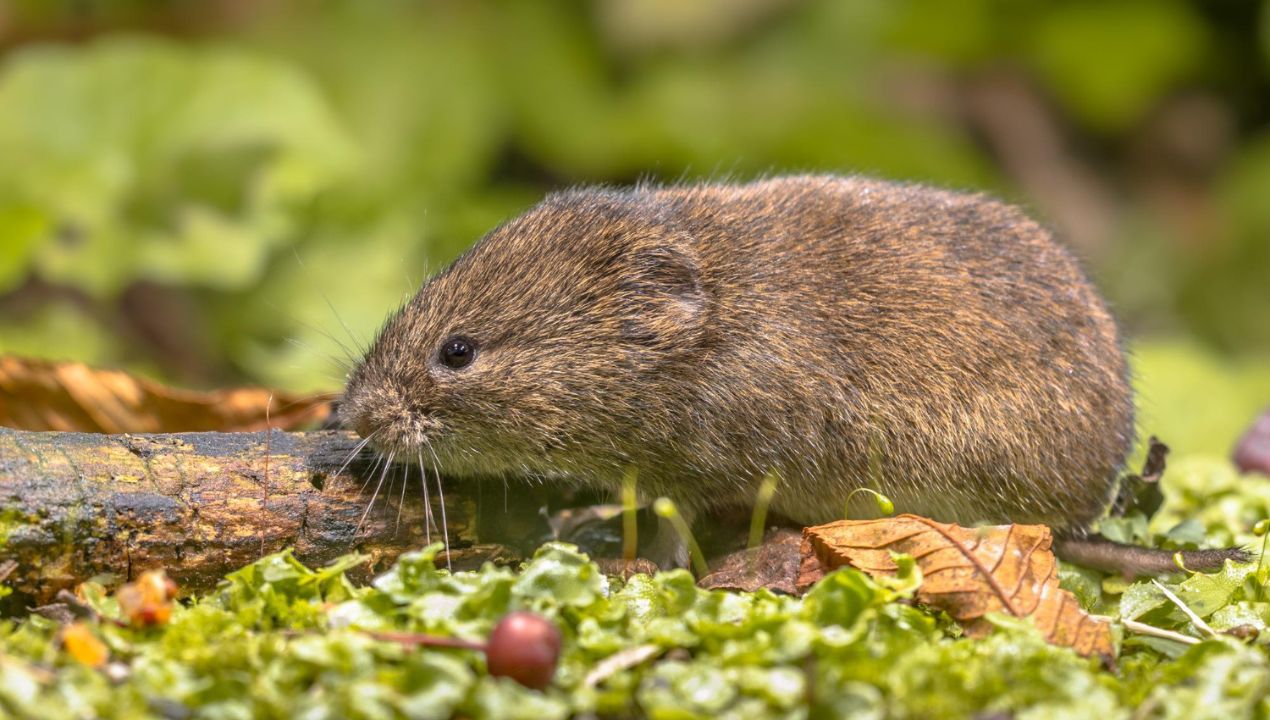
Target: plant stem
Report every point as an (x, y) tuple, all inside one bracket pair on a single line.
[(1196, 620), (758, 519), (1144, 629), (630, 521), (417, 639), (665, 507)]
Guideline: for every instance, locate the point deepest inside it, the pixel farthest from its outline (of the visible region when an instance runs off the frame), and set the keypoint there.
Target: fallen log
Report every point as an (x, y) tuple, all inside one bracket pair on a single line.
[(74, 506)]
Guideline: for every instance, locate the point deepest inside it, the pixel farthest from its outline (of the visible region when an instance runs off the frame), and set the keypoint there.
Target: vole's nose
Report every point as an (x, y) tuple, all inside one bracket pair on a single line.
[(355, 420), (363, 426)]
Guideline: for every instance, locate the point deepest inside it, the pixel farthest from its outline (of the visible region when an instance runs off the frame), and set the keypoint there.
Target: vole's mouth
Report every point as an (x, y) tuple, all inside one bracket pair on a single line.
[(406, 437), (400, 431)]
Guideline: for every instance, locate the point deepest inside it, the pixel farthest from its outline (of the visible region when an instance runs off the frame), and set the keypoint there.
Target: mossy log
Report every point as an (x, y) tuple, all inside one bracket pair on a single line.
[(200, 505)]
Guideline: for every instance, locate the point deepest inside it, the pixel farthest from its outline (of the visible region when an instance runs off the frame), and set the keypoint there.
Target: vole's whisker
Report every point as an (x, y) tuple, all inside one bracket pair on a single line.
[(350, 355), (392, 483), (357, 449), (405, 480), (445, 525), (346, 363), (353, 453), (342, 364), (383, 474), (359, 345), (325, 397), (427, 502), (329, 395), (374, 468)]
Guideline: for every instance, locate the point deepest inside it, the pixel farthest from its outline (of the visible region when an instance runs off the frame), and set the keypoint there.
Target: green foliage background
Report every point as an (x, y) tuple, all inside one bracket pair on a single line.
[(210, 192)]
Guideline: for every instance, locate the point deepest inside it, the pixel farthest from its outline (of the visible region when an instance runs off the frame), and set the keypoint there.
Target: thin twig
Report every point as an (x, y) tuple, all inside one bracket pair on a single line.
[(418, 639), (619, 661), (1196, 620), (1144, 629), (6, 568)]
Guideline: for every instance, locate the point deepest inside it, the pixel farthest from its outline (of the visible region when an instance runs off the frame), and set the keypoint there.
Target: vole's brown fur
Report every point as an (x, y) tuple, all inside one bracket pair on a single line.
[(939, 347)]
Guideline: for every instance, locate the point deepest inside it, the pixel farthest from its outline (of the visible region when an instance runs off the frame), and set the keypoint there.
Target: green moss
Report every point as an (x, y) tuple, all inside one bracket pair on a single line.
[(278, 639)]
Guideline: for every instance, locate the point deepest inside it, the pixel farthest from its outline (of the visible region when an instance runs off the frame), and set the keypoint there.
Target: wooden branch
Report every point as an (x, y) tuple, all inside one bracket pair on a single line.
[(200, 505)]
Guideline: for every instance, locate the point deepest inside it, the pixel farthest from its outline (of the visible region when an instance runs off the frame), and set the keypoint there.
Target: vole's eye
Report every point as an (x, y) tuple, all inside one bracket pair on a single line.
[(457, 352)]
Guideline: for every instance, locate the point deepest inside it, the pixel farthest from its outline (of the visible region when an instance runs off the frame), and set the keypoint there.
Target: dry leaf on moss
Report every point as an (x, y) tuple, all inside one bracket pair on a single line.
[(83, 645), (772, 565), (41, 395), (967, 572)]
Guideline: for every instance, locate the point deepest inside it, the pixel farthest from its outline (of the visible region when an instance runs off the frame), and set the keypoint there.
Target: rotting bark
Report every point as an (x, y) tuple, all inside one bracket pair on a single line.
[(200, 505)]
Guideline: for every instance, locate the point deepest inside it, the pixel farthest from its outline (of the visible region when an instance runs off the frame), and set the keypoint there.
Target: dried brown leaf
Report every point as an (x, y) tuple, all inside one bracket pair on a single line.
[(967, 572), (42, 395), (772, 565)]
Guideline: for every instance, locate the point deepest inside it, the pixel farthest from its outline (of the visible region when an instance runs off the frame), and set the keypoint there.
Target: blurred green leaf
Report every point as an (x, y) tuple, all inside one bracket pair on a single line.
[(1194, 400), (1212, 492), (1223, 291), (184, 176), (21, 230), (1252, 614), (1110, 61), (1215, 679), (954, 31), (60, 330)]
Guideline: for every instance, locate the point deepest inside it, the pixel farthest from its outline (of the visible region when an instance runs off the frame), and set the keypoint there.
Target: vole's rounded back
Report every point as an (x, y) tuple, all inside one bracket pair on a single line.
[(939, 347)]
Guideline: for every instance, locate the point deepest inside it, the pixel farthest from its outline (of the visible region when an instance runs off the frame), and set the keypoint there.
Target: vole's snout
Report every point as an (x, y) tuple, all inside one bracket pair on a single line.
[(388, 417), (404, 430), (361, 424), (353, 412)]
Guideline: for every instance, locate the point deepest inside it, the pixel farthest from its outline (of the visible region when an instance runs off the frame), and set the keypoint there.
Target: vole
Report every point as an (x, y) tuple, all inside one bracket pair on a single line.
[(845, 332)]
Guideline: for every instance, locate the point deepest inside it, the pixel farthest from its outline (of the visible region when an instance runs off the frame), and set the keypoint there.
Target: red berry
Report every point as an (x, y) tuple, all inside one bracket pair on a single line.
[(524, 647), (1252, 454)]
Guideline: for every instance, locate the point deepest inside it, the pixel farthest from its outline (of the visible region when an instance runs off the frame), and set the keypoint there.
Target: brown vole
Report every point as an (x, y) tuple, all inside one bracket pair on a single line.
[(939, 347)]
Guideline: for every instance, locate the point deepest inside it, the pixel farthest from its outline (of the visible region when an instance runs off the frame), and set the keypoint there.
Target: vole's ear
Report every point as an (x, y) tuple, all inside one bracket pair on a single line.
[(663, 283)]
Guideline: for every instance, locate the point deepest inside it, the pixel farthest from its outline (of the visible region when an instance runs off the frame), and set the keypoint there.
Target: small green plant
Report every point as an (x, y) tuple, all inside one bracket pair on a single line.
[(758, 518), (665, 508), (630, 520), (883, 503), (1262, 529)]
